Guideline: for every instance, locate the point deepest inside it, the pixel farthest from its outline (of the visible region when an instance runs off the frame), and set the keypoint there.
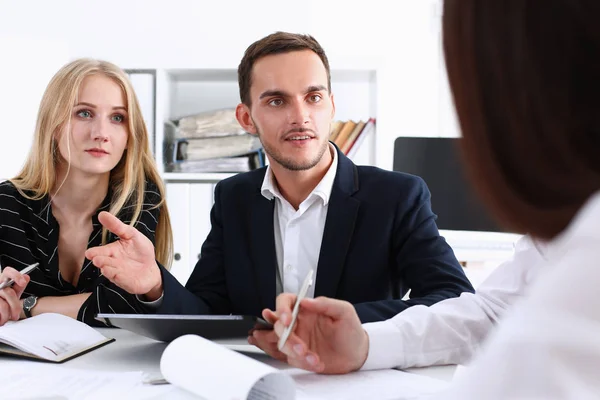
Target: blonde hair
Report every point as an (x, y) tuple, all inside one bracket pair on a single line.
[(127, 179)]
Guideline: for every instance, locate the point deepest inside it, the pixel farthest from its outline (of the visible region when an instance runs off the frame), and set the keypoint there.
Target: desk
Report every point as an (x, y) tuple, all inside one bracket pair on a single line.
[(132, 352)]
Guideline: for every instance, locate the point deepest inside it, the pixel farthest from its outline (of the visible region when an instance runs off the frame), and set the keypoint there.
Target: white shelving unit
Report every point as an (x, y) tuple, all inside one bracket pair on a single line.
[(185, 91), (199, 177)]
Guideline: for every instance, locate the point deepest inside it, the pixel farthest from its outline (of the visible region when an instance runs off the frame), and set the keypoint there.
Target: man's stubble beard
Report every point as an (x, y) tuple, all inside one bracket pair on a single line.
[(290, 163)]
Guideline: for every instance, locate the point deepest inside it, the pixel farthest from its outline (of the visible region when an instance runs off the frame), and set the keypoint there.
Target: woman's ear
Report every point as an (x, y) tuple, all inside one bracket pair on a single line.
[(242, 114)]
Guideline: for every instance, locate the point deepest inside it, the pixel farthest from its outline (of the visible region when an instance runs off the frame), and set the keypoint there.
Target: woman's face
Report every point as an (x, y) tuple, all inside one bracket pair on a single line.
[(99, 128)]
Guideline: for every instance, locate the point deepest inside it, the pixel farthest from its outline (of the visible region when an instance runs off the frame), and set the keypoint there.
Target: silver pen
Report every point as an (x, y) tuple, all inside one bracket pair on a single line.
[(24, 271), (308, 281)]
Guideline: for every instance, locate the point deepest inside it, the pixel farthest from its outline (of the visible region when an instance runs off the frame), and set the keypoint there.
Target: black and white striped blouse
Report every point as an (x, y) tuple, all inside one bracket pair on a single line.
[(29, 234)]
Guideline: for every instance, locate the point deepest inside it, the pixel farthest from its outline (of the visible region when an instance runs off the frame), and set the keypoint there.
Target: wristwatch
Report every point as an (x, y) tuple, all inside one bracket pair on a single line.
[(28, 304)]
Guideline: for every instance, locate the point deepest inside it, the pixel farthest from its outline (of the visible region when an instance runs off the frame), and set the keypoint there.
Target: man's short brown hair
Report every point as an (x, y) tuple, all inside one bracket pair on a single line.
[(276, 43)]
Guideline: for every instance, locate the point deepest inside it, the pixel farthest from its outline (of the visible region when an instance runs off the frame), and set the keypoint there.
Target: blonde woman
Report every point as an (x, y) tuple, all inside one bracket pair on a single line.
[(90, 154)]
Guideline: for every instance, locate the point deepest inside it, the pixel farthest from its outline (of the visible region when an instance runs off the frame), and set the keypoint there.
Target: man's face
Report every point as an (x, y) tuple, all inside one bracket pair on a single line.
[(291, 108)]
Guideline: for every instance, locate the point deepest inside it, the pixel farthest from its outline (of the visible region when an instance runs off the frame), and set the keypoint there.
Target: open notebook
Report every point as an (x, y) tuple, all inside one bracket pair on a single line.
[(214, 372), (49, 337)]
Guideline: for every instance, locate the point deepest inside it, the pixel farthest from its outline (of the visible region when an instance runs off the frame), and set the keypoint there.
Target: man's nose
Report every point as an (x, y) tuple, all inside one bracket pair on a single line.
[(299, 114)]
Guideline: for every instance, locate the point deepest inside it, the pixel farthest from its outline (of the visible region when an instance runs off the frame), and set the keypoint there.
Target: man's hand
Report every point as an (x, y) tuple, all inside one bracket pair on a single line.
[(267, 339), (328, 336), (129, 262)]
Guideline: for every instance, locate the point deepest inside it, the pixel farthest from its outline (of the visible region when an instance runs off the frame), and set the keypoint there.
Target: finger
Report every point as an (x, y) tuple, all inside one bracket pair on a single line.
[(107, 250), (269, 316), (284, 304), (310, 362), (294, 347), (324, 306), (267, 342), (11, 273), (109, 272), (115, 225), (19, 289), (283, 322), (265, 336), (104, 261), (4, 312), (12, 300)]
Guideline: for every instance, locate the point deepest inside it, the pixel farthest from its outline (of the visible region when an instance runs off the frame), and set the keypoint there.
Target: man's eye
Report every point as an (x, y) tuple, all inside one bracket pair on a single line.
[(84, 114), (276, 102), (315, 98)]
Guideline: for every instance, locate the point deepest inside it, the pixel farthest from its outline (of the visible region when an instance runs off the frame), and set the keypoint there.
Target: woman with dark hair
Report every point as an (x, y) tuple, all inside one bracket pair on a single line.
[(525, 76)]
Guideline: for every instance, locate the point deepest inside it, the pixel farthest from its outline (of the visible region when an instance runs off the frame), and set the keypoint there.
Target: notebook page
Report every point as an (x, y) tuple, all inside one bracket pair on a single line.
[(50, 336), (214, 372), (389, 384)]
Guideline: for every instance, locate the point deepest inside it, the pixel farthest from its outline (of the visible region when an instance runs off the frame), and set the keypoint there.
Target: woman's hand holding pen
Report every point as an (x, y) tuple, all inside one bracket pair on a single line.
[(129, 262), (10, 305)]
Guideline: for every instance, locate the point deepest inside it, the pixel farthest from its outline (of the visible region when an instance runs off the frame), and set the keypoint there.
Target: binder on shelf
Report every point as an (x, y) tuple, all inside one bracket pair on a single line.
[(222, 153), (243, 163)]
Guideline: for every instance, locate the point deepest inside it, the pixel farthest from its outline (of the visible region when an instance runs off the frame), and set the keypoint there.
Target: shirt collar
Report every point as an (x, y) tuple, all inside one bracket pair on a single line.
[(269, 188)]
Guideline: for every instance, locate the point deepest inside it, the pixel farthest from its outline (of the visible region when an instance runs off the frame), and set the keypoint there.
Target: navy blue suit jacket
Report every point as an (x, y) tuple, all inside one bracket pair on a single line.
[(380, 240)]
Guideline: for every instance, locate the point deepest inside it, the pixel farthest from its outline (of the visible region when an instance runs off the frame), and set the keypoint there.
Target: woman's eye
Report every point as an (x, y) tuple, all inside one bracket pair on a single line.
[(84, 114), (118, 118)]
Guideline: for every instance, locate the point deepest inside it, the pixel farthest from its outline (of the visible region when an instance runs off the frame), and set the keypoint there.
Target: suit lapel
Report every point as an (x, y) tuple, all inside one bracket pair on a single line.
[(339, 228), (262, 245)]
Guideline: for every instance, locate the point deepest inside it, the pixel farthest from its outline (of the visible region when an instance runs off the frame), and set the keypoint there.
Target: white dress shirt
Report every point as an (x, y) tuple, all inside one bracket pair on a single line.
[(299, 233), (548, 346), (450, 332)]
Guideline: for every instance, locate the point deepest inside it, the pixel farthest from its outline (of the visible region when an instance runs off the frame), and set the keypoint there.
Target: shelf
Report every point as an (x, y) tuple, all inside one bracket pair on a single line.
[(200, 177), (230, 75)]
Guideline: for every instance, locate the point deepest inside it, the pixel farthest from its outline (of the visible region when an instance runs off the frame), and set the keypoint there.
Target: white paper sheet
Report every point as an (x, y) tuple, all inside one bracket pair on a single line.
[(386, 384), (217, 373), (40, 381)]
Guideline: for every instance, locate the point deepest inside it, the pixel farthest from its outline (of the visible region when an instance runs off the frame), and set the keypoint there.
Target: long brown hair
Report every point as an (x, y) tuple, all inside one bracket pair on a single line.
[(525, 77), (128, 179)]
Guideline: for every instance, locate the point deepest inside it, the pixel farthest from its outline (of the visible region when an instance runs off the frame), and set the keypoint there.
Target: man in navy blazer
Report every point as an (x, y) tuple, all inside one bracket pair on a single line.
[(380, 240), (368, 234)]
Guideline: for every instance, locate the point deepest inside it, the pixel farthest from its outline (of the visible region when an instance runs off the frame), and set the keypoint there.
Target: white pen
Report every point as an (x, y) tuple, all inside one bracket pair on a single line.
[(301, 295), (24, 271)]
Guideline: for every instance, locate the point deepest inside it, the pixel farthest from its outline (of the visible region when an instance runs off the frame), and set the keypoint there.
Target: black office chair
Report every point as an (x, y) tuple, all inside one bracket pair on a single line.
[(437, 161)]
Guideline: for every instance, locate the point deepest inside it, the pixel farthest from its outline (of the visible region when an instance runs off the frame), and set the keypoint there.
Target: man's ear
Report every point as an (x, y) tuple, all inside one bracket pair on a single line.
[(242, 114), (332, 106)]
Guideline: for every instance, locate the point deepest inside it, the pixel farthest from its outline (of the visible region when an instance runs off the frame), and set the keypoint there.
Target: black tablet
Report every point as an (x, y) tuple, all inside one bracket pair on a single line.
[(167, 327)]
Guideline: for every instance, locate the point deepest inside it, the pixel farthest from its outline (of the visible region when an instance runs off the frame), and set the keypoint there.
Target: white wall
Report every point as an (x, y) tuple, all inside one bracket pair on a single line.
[(22, 84), (192, 33)]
